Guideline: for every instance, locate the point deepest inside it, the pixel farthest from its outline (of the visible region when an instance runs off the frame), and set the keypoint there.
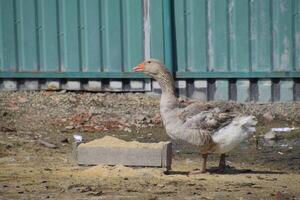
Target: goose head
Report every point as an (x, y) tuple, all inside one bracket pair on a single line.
[(159, 72), (153, 68)]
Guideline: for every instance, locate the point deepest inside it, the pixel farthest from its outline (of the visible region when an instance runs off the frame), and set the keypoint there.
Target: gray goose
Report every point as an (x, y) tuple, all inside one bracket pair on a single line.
[(212, 129)]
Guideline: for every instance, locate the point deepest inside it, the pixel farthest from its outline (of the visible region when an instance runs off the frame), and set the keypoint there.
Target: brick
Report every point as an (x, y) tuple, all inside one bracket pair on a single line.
[(144, 154)]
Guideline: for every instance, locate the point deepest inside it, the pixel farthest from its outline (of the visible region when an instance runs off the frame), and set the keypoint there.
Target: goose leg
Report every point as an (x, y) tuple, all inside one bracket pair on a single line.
[(222, 163), (203, 168)]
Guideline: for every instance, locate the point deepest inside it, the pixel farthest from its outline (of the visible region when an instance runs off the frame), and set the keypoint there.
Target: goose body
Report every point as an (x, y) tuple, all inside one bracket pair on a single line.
[(213, 130)]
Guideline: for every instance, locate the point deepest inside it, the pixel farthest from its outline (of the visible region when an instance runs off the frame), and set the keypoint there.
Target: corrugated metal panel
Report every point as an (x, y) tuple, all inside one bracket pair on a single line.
[(75, 36), (105, 38), (241, 38)]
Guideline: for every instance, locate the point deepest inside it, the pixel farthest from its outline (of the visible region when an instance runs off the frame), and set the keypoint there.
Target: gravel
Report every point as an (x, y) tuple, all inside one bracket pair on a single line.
[(46, 111)]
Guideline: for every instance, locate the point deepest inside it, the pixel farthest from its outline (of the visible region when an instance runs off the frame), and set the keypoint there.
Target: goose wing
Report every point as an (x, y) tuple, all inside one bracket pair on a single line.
[(209, 121)]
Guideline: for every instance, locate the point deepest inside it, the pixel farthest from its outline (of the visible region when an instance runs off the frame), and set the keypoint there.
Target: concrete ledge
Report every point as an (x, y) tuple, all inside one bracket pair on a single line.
[(115, 85), (136, 85), (221, 90), (286, 90), (113, 151), (72, 85), (243, 90), (93, 86), (51, 85), (200, 90), (264, 90), (9, 85), (30, 85)]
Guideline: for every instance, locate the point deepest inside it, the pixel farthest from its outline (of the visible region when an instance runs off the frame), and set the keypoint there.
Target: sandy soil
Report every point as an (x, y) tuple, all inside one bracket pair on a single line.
[(37, 162)]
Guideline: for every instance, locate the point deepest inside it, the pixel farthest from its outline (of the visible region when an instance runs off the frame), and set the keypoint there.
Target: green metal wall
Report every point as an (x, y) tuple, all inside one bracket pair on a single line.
[(237, 38), (105, 38), (70, 38)]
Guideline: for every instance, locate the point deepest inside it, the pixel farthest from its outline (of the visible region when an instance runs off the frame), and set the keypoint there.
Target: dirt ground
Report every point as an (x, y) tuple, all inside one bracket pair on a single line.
[(37, 157)]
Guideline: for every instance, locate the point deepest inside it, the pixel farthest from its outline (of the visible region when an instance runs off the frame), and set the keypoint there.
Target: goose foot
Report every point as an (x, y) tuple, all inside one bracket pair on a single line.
[(203, 168), (222, 164), (195, 172)]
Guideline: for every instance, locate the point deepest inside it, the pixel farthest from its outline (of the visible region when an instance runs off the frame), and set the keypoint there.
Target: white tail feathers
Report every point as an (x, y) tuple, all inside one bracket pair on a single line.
[(231, 135)]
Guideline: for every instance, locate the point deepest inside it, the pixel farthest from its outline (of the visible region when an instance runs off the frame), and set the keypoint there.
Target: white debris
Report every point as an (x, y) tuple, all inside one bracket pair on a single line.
[(77, 138), (285, 129)]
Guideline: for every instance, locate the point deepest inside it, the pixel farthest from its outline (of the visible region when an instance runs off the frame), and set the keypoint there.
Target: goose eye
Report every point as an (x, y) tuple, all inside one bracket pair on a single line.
[(149, 61)]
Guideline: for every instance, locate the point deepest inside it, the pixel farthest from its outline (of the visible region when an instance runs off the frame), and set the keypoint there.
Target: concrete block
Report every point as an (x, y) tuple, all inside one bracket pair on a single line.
[(51, 85), (113, 151), (93, 85), (148, 85), (136, 85), (182, 88), (116, 85), (243, 90), (72, 85), (264, 90), (156, 87), (30, 85), (286, 90), (221, 90), (200, 90), (9, 85)]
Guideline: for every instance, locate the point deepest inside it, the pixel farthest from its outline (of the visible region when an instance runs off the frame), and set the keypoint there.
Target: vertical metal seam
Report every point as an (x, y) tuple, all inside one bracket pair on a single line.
[(228, 31), (58, 36), (146, 29), (79, 29), (37, 31), (122, 36), (207, 36), (1, 40), (250, 35), (271, 35), (293, 37), (100, 36), (185, 36), (16, 21)]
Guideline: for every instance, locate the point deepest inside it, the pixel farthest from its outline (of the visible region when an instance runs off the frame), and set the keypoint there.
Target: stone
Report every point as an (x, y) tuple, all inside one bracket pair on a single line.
[(112, 151)]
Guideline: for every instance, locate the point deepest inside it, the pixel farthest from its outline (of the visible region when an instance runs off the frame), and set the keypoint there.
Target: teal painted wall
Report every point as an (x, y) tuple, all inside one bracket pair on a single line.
[(105, 38)]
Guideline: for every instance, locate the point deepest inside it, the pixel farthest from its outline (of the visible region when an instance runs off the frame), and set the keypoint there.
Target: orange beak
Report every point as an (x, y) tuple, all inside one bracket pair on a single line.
[(139, 68)]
